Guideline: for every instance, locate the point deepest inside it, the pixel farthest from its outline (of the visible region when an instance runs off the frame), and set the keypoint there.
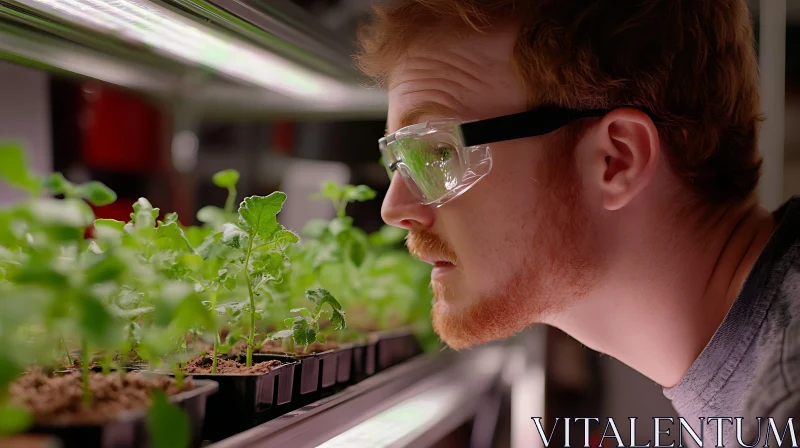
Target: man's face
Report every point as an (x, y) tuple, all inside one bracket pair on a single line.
[(511, 251)]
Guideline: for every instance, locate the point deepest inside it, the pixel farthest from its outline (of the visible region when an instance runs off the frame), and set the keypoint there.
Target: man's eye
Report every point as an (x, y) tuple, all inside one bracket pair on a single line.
[(444, 152)]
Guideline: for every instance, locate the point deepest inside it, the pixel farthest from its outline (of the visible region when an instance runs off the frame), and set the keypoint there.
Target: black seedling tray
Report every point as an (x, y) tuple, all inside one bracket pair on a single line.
[(246, 400), (130, 429), (363, 361), (396, 347), (321, 370), (344, 365), (371, 360), (320, 374)]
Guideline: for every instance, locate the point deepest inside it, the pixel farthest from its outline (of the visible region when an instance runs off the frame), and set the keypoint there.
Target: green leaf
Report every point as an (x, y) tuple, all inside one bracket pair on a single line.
[(208, 246), (110, 223), (40, 275), (191, 313), (303, 311), (226, 178), (331, 191), (321, 338), (197, 235), (338, 320), (315, 228), (13, 419), (191, 261), (136, 312), (68, 212), (233, 236), (285, 237), (56, 183), (98, 194), (229, 283), (170, 236), (14, 169), (258, 214), (321, 296), (213, 216), (339, 225), (9, 370), (169, 426), (95, 320), (283, 334), (107, 267), (302, 332), (144, 215), (289, 321), (108, 229), (260, 279), (170, 218), (359, 193)]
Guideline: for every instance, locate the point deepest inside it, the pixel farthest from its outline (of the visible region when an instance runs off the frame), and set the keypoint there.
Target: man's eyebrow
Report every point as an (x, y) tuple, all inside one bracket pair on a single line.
[(413, 115)]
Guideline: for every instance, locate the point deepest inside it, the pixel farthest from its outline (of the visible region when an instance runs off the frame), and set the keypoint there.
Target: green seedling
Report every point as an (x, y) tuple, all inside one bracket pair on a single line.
[(305, 328), (262, 243)]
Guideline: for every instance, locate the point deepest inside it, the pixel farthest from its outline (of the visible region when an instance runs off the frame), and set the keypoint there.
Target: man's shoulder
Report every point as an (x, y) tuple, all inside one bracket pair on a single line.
[(775, 393), (776, 387)]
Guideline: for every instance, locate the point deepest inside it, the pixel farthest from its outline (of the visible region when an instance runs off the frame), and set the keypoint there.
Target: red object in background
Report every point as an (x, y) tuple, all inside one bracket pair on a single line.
[(120, 210), (283, 137), (120, 132)]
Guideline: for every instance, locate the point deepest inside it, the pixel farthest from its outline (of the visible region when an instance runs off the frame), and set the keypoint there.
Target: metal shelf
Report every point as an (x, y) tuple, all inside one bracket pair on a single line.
[(412, 404)]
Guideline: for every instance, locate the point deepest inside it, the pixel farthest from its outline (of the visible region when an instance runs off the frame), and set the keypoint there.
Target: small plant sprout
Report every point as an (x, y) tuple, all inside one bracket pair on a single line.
[(305, 329), (341, 195), (216, 217), (52, 259), (262, 242), (227, 179)]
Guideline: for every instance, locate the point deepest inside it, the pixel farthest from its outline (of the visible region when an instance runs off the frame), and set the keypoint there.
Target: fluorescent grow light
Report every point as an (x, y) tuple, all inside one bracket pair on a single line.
[(168, 32)]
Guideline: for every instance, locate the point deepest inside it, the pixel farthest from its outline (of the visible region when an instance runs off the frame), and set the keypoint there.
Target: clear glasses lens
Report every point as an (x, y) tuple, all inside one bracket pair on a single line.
[(432, 161), (434, 166)]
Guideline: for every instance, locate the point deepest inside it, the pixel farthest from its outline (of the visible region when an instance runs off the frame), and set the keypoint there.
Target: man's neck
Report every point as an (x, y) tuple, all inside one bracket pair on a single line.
[(657, 309)]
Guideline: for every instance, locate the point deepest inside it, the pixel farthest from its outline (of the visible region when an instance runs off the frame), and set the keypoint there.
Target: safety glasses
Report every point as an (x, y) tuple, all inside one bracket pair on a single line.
[(440, 160)]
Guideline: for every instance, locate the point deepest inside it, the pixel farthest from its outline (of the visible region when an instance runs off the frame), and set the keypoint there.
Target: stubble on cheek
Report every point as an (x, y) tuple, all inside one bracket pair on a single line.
[(554, 271)]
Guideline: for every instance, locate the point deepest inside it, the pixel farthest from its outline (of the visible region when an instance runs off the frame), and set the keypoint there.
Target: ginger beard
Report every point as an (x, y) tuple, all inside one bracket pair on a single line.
[(556, 270)]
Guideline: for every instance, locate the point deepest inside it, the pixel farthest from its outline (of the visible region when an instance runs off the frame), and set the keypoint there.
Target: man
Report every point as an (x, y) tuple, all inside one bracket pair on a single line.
[(599, 176)]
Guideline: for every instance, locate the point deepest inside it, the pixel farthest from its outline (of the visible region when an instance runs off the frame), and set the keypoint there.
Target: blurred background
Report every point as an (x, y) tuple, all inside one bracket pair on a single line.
[(152, 97)]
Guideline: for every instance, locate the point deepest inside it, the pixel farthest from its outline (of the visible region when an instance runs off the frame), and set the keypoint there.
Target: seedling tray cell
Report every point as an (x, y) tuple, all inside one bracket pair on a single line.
[(245, 400), (130, 429)]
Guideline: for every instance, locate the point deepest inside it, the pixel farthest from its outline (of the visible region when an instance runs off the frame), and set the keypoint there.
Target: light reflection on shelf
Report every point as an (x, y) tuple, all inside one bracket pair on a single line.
[(402, 421)]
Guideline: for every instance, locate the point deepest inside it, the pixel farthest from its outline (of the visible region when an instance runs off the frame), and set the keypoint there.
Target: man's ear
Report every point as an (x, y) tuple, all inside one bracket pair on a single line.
[(628, 147)]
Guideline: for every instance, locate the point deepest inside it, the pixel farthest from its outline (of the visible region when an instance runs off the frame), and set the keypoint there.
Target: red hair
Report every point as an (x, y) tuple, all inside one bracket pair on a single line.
[(690, 63)]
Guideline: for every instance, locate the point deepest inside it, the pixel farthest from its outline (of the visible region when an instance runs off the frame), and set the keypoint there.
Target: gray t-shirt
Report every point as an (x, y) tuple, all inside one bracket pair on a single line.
[(751, 366)]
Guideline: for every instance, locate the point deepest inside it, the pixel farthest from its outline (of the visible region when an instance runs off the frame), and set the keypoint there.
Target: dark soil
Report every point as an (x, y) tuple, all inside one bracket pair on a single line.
[(58, 400), (202, 364), (132, 359), (275, 347)]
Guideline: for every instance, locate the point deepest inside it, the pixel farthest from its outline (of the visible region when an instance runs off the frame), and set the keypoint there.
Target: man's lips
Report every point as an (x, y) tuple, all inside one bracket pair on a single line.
[(435, 260), (440, 266)]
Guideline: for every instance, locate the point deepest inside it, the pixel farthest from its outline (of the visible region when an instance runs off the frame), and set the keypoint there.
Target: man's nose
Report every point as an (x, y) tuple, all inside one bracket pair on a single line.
[(402, 209)]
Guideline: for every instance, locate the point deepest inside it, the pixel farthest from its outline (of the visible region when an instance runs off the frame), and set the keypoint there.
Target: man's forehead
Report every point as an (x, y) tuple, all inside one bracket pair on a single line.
[(468, 78), (425, 111)]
